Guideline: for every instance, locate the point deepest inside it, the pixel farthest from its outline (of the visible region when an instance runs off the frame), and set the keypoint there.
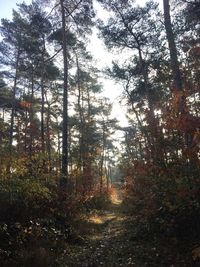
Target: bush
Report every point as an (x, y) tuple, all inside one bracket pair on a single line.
[(99, 200), (33, 216)]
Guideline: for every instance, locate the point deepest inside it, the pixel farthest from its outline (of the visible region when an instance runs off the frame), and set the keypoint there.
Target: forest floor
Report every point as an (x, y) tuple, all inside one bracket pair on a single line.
[(110, 239), (105, 239)]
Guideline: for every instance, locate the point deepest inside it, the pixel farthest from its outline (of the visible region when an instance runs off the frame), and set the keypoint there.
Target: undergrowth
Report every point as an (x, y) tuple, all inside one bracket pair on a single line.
[(37, 224)]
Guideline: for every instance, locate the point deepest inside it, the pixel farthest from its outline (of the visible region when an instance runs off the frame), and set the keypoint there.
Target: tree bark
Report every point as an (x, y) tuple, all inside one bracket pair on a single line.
[(172, 47), (82, 120), (64, 169), (43, 99), (31, 117), (102, 157), (49, 137), (13, 104)]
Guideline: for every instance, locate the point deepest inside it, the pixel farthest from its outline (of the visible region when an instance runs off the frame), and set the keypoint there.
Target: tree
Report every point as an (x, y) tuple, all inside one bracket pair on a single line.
[(75, 15), (11, 54), (172, 47), (137, 31)]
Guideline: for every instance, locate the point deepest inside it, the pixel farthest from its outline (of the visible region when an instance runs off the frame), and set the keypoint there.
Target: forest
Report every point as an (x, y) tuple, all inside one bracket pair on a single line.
[(72, 192)]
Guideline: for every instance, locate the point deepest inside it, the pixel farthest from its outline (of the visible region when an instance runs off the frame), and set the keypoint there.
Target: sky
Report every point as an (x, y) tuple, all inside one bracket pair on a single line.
[(101, 56), (6, 7)]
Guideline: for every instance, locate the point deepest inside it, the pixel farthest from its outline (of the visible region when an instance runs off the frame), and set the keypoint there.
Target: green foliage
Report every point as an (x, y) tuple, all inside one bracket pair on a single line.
[(98, 201), (35, 220), (165, 205)]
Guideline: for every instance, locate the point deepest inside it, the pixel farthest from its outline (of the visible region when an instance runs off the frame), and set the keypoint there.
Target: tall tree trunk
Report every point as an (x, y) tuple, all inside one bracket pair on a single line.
[(81, 116), (49, 137), (64, 170), (13, 110), (43, 97), (31, 117), (181, 107), (58, 148), (172, 47), (102, 157), (42, 117), (107, 170), (42, 105), (88, 156)]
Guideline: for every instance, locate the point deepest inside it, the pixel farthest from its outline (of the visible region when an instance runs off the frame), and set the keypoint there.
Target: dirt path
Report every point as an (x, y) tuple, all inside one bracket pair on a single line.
[(105, 240), (113, 239)]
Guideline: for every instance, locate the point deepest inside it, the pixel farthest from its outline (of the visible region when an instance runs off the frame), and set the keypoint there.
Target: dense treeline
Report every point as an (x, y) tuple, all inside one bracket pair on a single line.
[(34, 124), (56, 145), (161, 84), (56, 134)]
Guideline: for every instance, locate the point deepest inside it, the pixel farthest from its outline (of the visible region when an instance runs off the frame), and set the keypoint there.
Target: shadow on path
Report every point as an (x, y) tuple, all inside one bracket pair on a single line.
[(105, 237)]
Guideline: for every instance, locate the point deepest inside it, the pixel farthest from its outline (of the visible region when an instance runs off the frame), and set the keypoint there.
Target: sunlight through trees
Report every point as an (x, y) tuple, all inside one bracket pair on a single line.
[(72, 175)]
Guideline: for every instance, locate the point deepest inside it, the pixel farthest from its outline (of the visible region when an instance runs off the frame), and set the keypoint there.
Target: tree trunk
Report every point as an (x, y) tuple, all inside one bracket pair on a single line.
[(42, 117), (64, 169), (58, 148), (102, 157), (172, 47), (49, 138), (13, 110), (42, 104), (31, 117), (82, 120)]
